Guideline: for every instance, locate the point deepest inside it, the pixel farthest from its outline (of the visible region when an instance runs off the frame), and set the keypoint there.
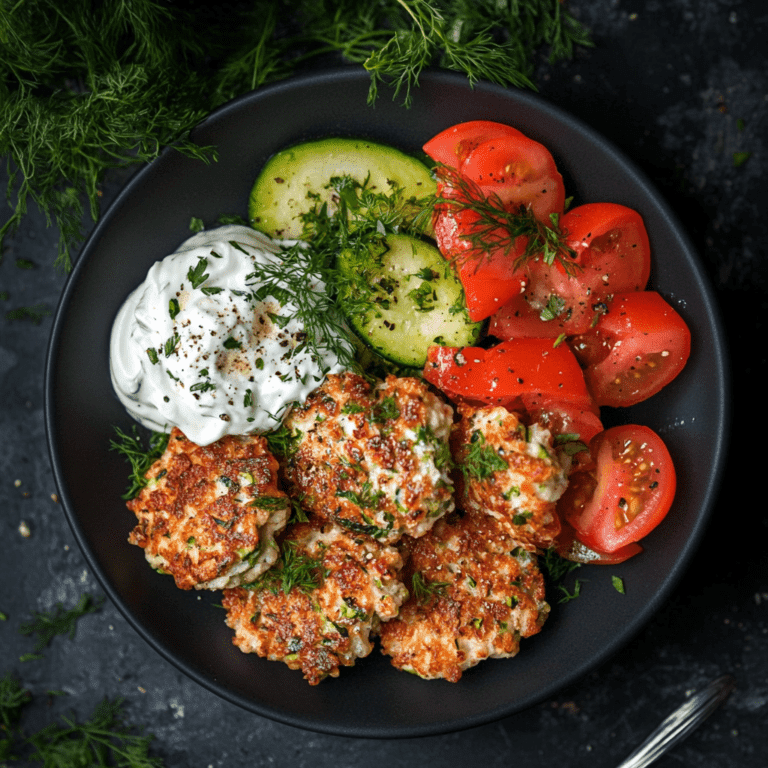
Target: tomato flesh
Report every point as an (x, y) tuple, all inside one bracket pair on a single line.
[(489, 278), (629, 493), (504, 373), (451, 146), (612, 256), (520, 171), (635, 350)]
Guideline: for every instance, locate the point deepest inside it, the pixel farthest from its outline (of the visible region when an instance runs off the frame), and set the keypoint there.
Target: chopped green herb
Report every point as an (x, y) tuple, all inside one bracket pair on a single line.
[(58, 621), (230, 343), (196, 225), (739, 158), (294, 569), (197, 274), (173, 308), (25, 264), (618, 583), (171, 344), (555, 307), (424, 591), (481, 460), (35, 313)]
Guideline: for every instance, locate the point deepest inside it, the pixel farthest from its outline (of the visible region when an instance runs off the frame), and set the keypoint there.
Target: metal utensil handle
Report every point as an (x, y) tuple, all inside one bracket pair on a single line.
[(681, 722)]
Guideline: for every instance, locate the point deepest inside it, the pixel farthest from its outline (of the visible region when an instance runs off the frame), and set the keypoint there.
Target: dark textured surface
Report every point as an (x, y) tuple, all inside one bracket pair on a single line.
[(679, 86)]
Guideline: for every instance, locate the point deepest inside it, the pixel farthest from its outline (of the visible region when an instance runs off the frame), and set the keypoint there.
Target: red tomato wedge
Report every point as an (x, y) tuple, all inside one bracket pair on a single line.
[(490, 278), (562, 418), (451, 146), (612, 255), (635, 350), (504, 373), (520, 171), (629, 493)]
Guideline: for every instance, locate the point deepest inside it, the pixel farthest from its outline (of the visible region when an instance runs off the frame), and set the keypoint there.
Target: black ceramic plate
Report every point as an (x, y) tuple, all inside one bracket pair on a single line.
[(151, 217)]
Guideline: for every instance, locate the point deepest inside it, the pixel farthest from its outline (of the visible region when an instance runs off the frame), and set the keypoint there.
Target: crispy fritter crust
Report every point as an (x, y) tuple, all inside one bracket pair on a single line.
[(483, 593), (374, 460), (208, 515), (517, 483), (319, 630)]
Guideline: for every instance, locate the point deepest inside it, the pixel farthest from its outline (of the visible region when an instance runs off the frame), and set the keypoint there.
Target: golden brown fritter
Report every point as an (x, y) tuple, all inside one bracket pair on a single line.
[(509, 471), (208, 515), (375, 460), (315, 609), (474, 594)]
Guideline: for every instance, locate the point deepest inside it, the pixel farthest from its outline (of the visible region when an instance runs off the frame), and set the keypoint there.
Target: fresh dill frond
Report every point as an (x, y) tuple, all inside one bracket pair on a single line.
[(555, 569), (46, 625), (481, 460), (102, 740), (140, 458), (12, 698), (498, 227), (294, 569), (112, 84)]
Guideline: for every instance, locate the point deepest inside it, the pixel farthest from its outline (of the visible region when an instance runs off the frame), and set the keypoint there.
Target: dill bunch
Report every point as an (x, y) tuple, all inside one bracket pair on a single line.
[(85, 87)]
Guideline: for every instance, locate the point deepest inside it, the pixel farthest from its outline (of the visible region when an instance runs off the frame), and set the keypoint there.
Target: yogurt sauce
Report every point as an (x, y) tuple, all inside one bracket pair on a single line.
[(199, 347)]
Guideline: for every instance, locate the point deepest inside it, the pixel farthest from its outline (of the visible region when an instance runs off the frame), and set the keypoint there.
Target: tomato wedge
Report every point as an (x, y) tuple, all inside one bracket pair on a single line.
[(520, 171), (489, 279), (451, 146), (612, 256), (504, 373), (629, 493), (635, 350)]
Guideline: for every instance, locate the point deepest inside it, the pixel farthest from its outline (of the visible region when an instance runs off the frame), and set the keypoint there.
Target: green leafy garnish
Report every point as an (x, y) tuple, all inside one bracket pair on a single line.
[(139, 457), (46, 625), (197, 274), (115, 84), (618, 584), (424, 591), (556, 569), (294, 569), (498, 228), (481, 460)]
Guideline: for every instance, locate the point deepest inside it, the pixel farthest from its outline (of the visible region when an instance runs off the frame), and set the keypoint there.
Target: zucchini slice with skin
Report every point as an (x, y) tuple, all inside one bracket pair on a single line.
[(296, 180), (414, 301)]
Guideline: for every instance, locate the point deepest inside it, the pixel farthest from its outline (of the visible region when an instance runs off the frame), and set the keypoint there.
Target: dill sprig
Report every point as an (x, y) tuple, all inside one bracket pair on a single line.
[(103, 740), (481, 460), (498, 227), (87, 87), (140, 458), (46, 625), (358, 227), (556, 569), (293, 570), (12, 698)]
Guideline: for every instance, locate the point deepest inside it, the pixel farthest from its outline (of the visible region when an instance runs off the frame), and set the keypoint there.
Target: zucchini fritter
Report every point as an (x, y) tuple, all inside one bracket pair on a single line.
[(375, 460), (511, 472), (208, 515), (474, 594), (316, 608)]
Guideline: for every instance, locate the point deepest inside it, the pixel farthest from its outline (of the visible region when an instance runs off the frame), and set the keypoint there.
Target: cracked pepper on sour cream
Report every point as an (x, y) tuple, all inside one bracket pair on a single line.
[(198, 346)]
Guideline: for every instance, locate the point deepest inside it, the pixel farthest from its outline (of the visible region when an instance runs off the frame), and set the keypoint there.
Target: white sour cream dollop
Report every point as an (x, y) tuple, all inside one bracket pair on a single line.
[(198, 346)]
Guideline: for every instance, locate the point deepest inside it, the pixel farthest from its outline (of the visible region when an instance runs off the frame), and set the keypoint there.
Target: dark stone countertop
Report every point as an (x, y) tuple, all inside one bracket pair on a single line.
[(679, 86)]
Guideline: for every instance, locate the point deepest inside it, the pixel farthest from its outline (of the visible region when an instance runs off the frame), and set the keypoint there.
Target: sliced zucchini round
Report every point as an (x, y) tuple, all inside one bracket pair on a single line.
[(414, 301), (296, 180)]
